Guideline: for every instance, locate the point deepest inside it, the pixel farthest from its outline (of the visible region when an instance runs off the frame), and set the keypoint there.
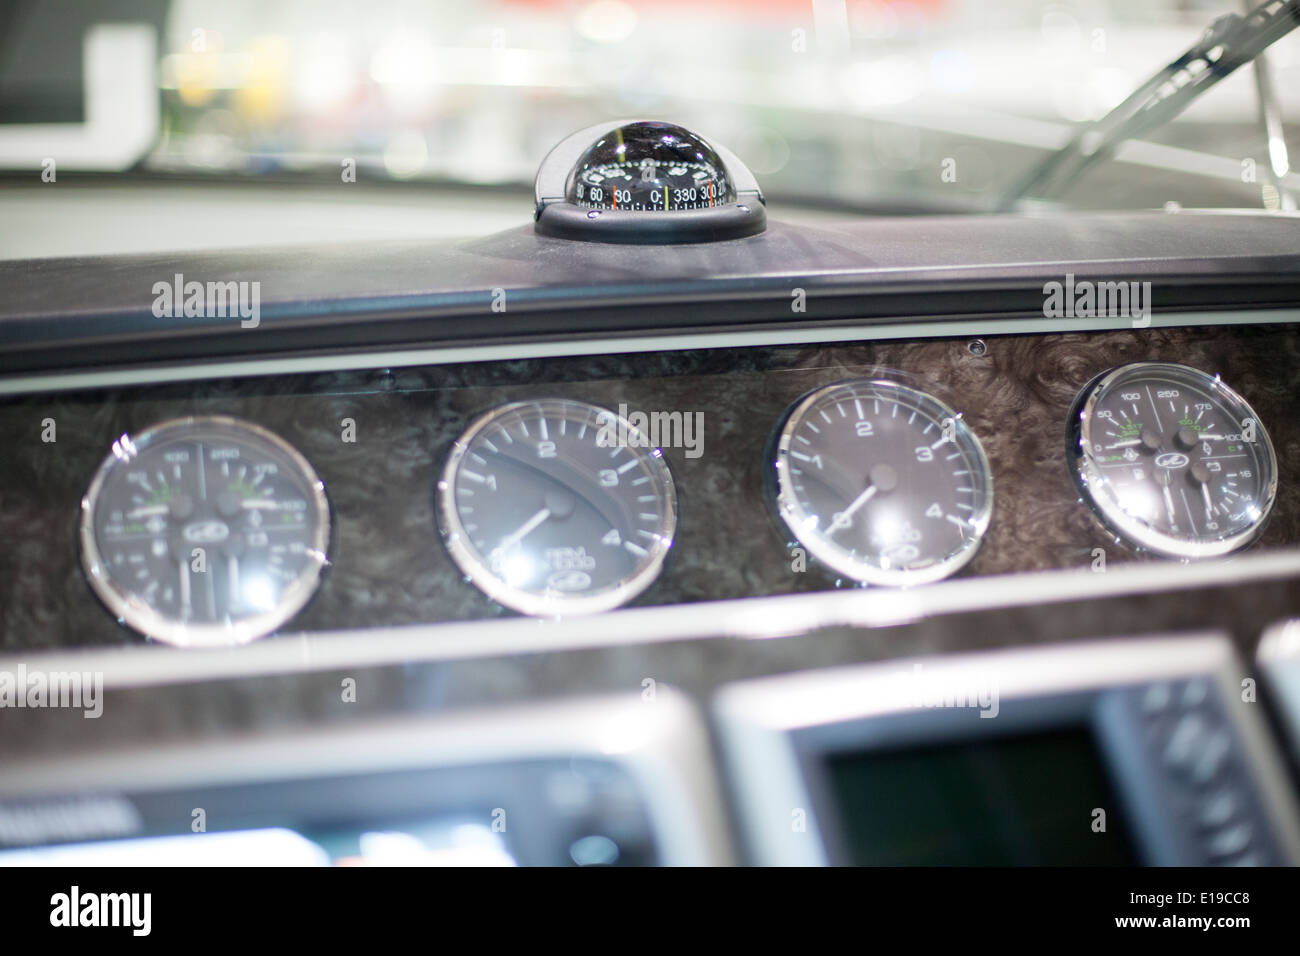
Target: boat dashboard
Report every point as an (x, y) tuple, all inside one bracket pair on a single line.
[(751, 548)]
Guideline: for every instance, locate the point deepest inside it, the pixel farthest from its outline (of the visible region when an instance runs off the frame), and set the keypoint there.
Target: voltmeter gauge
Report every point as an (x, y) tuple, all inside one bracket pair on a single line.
[(204, 532), (645, 181), (881, 482), (1172, 459), (557, 507)]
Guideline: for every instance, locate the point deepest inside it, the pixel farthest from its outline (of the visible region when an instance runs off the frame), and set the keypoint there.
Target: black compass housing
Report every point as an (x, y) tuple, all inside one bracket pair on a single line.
[(646, 182)]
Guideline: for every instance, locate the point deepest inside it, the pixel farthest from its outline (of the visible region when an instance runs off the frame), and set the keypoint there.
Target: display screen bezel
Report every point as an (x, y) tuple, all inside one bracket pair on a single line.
[(890, 733)]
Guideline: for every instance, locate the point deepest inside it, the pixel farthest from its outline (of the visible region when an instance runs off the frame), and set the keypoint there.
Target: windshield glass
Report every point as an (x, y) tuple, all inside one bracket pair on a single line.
[(890, 104)]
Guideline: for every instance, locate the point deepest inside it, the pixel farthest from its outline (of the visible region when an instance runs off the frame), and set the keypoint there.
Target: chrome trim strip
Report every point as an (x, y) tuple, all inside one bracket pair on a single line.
[(662, 743), (742, 618), (44, 382), (1280, 643), (808, 699), (1278, 656), (757, 717)]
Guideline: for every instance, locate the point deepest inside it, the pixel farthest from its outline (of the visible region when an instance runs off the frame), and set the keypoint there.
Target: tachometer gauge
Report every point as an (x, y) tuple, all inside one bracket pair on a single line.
[(1172, 460), (557, 507), (882, 483), (644, 181), (204, 532)]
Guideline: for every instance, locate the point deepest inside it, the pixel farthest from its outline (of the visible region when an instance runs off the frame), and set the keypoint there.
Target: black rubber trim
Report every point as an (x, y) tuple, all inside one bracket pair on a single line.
[(564, 220), (539, 315)]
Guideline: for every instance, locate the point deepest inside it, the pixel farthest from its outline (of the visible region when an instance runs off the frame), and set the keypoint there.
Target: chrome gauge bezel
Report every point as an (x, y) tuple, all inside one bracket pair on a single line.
[(1091, 481), (793, 515), (136, 613), (553, 603)]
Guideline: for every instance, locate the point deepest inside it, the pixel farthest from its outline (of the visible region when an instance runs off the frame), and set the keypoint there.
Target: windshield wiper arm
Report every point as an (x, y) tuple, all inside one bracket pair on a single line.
[(1230, 41)]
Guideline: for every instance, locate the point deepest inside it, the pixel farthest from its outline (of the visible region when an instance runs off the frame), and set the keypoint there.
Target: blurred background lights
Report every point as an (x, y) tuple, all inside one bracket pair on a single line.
[(888, 81), (873, 20), (950, 71), (477, 93), (765, 150), (1061, 30), (262, 93), (606, 21), (324, 76), (406, 154), (403, 61)]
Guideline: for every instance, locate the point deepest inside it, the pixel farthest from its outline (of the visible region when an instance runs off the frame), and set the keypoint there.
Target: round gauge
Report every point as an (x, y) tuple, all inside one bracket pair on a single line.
[(650, 166), (645, 181), (882, 483), (1172, 459), (557, 507), (204, 532)]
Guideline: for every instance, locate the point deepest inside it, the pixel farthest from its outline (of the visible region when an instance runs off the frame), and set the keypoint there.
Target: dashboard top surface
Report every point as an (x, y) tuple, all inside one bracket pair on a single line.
[(516, 286)]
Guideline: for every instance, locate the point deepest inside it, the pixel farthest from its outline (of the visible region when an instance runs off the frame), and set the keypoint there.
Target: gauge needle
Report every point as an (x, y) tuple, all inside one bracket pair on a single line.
[(1169, 503), (1163, 478), (232, 565), (510, 540), (845, 517), (1201, 475), (185, 588), (147, 511)]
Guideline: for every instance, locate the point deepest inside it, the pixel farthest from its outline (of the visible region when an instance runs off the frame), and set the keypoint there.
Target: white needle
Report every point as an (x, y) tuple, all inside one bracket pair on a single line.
[(1125, 444), (510, 540), (147, 511), (845, 517), (1209, 508), (233, 582), (185, 589), (1169, 503)]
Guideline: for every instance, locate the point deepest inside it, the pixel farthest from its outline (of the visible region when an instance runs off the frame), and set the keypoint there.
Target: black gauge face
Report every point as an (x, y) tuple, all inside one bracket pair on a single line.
[(1173, 460), (204, 531), (557, 507), (650, 167), (882, 483)]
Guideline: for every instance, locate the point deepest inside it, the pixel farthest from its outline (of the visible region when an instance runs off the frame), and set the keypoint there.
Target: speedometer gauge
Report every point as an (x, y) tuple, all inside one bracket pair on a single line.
[(204, 532), (1172, 459), (557, 507), (882, 483)]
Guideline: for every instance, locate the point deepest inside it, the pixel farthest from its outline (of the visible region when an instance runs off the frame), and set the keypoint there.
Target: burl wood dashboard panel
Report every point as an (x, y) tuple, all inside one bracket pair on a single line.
[(389, 567)]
